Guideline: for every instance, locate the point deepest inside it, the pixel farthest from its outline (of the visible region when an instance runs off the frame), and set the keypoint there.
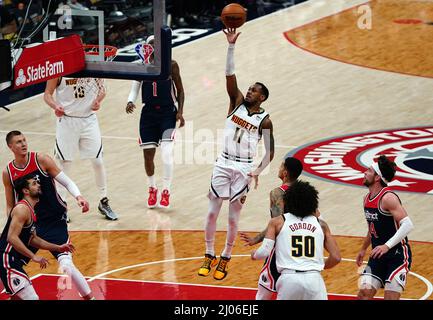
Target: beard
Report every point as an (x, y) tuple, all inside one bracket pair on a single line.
[(366, 183), (35, 195)]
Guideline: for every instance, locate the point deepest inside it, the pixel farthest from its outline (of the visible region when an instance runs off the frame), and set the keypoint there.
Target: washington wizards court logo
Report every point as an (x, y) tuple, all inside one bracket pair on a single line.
[(344, 159)]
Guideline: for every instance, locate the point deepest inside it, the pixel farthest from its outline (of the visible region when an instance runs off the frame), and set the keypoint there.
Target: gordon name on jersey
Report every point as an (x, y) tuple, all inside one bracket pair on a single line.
[(299, 244)]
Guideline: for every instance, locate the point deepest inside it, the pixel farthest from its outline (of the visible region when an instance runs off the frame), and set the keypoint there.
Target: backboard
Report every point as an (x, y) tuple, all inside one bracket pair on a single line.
[(5, 68), (116, 23), (119, 23)]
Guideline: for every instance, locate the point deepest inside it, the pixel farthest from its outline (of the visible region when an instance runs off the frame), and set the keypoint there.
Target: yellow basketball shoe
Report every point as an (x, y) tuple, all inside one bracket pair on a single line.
[(209, 262), (221, 269)]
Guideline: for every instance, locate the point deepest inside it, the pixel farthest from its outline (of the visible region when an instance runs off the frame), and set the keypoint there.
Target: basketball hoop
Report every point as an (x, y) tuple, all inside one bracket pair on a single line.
[(96, 85), (110, 52)]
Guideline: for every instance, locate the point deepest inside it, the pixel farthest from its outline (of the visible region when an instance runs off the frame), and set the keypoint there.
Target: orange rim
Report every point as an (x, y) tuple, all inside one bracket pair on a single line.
[(93, 49)]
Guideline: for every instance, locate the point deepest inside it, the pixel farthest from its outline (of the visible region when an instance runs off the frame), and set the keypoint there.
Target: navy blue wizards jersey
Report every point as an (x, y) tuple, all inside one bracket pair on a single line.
[(50, 207), (6, 249), (381, 224), (158, 93)]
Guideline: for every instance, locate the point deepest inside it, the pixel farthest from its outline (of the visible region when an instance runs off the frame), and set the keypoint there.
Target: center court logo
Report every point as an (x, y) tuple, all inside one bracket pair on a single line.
[(344, 159)]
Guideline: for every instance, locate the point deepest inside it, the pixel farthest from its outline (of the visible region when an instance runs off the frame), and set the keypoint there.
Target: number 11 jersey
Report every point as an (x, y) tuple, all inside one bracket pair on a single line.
[(243, 132)]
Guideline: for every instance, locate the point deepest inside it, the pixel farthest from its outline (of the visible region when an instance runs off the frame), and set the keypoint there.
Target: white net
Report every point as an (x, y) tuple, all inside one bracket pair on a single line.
[(95, 85), (90, 85)]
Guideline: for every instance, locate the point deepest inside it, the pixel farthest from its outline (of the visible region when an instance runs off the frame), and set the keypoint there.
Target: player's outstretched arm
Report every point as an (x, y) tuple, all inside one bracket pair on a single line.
[(235, 95), (273, 229), (45, 245), (250, 241), (54, 171)]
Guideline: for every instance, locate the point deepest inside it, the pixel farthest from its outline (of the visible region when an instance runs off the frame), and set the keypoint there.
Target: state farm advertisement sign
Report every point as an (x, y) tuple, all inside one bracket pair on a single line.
[(49, 60)]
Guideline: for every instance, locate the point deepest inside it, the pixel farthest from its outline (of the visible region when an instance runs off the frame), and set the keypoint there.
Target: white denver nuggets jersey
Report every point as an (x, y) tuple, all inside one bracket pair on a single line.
[(299, 245), (242, 132), (76, 101)]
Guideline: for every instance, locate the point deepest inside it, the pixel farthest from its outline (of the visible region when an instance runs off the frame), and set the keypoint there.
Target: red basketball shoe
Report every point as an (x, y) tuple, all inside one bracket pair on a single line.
[(153, 197), (165, 199)]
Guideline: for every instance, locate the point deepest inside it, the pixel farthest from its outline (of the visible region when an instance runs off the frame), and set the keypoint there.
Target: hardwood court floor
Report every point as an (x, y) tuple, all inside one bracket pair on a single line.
[(311, 98), (175, 256), (397, 40)]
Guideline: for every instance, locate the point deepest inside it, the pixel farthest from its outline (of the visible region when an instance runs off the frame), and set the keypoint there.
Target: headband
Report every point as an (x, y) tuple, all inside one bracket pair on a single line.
[(376, 169)]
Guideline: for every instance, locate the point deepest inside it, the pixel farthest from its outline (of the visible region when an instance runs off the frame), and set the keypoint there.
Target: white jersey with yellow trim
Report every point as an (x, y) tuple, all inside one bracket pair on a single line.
[(77, 102), (299, 245), (242, 132)]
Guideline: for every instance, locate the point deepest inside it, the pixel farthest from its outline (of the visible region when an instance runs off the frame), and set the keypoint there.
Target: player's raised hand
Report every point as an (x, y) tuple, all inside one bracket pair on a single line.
[(83, 204), (231, 34), (130, 106)]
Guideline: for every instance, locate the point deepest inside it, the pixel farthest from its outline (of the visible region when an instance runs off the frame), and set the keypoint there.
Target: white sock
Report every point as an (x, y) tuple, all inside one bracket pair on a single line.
[(151, 181), (167, 160), (65, 166), (210, 228), (77, 278), (100, 176), (232, 227)]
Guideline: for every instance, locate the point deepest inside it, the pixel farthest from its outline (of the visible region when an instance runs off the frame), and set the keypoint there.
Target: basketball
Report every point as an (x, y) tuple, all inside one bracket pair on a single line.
[(233, 15)]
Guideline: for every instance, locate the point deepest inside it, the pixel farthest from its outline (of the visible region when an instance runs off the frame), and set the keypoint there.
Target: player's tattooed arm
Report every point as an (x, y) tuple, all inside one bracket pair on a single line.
[(277, 202)]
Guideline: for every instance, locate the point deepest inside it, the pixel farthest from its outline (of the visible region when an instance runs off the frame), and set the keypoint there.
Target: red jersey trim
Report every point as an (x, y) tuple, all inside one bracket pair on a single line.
[(39, 166), (284, 187), (25, 167), (375, 202)]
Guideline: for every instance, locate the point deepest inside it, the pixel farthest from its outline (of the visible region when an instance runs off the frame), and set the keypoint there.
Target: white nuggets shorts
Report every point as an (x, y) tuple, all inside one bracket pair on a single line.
[(269, 274), (78, 134), (230, 179), (292, 285)]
